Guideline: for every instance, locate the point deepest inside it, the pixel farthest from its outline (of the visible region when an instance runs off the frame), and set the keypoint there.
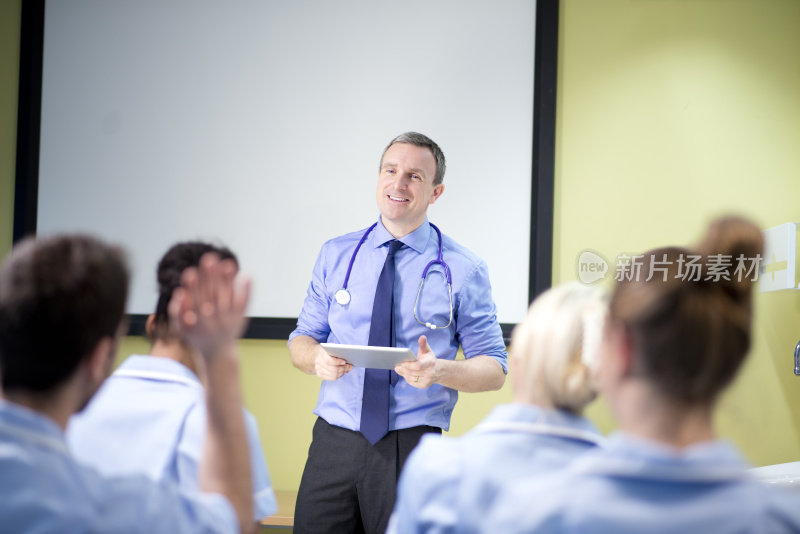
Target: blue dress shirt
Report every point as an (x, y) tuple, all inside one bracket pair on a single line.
[(635, 486), (448, 484), (474, 327), (149, 418), (44, 490)]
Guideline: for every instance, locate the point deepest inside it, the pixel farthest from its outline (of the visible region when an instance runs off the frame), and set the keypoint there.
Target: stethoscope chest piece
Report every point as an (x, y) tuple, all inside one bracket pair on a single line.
[(342, 297)]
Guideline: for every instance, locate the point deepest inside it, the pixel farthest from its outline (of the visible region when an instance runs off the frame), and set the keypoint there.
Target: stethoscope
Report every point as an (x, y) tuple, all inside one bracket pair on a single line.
[(342, 296)]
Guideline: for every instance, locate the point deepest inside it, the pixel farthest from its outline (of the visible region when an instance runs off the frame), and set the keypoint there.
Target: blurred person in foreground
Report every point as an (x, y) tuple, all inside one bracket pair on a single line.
[(449, 483), (149, 417), (62, 301), (678, 332)]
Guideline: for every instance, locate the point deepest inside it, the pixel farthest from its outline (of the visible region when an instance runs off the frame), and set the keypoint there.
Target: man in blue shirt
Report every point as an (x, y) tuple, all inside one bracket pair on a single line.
[(349, 483), (149, 417), (62, 301)]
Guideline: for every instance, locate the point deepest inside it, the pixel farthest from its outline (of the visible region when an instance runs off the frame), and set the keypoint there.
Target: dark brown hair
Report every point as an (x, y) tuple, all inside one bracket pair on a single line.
[(178, 258), (59, 296), (690, 327)]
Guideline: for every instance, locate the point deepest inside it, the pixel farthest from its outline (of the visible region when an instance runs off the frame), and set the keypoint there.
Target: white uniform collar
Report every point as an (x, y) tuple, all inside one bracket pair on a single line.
[(633, 457), (527, 418), (158, 369)]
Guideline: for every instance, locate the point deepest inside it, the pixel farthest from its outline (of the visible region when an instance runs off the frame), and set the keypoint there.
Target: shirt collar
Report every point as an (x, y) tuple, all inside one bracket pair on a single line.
[(23, 424), (416, 240), (635, 457), (164, 367), (530, 413)]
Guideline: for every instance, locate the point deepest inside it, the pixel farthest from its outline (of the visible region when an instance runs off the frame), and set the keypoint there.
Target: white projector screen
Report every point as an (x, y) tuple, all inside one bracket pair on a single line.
[(260, 124)]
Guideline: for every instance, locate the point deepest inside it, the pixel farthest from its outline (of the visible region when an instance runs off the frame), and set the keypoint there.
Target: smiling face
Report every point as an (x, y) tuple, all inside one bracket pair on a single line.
[(405, 187)]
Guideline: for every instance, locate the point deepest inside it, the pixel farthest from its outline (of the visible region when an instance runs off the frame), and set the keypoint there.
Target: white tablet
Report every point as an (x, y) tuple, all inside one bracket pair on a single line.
[(370, 357)]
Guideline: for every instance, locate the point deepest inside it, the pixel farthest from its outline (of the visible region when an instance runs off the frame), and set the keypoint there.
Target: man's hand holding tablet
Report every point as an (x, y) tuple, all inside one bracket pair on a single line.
[(370, 357)]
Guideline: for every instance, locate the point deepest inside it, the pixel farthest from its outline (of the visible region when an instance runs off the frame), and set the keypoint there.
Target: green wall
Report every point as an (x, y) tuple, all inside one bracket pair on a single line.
[(669, 112), (9, 70)]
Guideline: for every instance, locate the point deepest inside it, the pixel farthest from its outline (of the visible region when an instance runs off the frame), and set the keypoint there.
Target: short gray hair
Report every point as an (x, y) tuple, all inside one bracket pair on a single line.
[(421, 140)]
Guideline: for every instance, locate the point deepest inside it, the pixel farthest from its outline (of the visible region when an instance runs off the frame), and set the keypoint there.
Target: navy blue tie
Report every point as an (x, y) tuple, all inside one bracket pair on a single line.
[(375, 401)]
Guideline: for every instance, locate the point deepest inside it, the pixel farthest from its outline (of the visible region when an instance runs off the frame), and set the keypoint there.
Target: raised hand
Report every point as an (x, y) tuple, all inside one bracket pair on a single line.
[(208, 310)]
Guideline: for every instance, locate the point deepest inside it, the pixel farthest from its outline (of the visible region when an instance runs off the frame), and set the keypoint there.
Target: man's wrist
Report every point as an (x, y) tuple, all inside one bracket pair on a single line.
[(439, 370)]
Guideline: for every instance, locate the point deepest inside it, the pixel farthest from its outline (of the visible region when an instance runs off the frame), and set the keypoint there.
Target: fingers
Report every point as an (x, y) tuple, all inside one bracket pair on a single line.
[(180, 311), (214, 285), (329, 367), (241, 293), (174, 306), (205, 288), (420, 373), (208, 310), (420, 378), (418, 365), (423, 345), (402, 370), (220, 282)]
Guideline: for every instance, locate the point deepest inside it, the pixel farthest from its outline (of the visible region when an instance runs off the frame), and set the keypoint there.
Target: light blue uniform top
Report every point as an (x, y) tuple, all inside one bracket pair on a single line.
[(474, 325), (636, 486), (44, 490), (149, 418), (448, 484)]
